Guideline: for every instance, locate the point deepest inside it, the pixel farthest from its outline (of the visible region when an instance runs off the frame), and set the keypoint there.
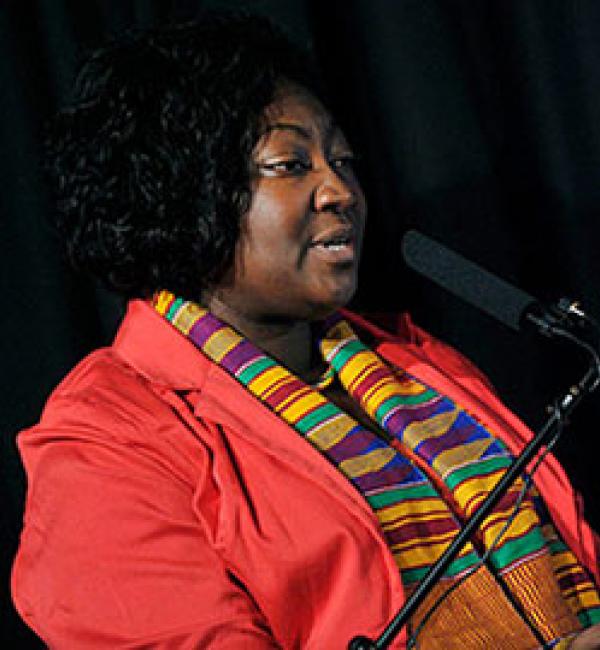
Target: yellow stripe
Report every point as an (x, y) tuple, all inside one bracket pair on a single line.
[(416, 508), (420, 556), (562, 572), (220, 343), (295, 395), (416, 557), (433, 427), (364, 373), (471, 486), (583, 601), (376, 386), (565, 570), (264, 381), (384, 392), (163, 300), (522, 523), (354, 365), (580, 590), (475, 499), (378, 393), (503, 515), (331, 432), (561, 560), (413, 518), (371, 462), (437, 542), (282, 381), (470, 451), (187, 317), (301, 407)]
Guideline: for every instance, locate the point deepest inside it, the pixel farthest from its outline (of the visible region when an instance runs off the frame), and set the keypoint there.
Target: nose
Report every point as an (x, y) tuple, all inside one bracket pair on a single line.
[(335, 193)]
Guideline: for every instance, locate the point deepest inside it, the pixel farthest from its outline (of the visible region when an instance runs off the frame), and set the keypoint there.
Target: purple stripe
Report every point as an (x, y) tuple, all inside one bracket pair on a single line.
[(404, 416), (455, 437), (420, 531), (356, 442), (204, 328), (404, 474), (240, 355)]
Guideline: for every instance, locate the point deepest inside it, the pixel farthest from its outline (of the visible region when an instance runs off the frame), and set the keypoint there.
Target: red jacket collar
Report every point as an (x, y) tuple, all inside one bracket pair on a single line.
[(158, 351), (161, 354)]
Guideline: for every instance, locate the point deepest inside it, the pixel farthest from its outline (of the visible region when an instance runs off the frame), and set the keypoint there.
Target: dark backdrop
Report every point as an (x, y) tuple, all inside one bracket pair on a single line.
[(478, 122)]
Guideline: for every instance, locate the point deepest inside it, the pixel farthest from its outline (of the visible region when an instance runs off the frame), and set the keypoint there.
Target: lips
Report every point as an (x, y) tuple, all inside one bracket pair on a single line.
[(335, 244), (334, 236)]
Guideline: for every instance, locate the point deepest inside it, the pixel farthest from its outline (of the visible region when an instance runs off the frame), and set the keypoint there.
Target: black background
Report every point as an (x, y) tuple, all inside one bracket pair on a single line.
[(477, 122)]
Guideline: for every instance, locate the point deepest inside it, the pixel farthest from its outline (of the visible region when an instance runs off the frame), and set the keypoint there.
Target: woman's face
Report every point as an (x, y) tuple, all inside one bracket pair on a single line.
[(298, 252)]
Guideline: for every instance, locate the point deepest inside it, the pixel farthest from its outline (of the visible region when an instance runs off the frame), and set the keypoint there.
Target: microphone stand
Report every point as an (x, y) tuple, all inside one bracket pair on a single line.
[(559, 413)]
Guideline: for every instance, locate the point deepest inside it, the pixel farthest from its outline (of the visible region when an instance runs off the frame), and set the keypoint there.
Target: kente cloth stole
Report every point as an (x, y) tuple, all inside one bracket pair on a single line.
[(450, 450)]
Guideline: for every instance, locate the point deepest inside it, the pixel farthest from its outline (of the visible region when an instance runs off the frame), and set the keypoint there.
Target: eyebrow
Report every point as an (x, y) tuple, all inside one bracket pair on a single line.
[(330, 128), (288, 126)]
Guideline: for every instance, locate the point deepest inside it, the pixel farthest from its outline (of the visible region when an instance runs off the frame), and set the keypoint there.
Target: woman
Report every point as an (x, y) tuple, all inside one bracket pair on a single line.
[(246, 466)]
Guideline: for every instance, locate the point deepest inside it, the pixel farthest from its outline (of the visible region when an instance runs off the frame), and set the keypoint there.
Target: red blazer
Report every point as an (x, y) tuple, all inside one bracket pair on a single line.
[(168, 508)]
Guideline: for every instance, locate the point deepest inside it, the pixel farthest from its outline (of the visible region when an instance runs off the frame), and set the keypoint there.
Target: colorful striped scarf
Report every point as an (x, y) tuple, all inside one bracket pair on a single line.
[(427, 475)]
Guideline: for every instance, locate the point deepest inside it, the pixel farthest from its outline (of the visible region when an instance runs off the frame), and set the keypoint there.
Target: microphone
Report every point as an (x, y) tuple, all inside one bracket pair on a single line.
[(483, 290)]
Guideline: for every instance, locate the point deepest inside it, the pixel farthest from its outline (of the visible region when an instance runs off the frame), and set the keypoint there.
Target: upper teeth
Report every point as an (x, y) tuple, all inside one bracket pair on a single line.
[(336, 243)]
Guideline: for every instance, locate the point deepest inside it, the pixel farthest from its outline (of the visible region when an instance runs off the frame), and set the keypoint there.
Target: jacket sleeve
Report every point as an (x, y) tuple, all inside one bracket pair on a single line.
[(113, 554)]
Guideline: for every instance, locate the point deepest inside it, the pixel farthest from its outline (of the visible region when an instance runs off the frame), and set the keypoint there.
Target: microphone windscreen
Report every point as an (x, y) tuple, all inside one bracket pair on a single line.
[(465, 279)]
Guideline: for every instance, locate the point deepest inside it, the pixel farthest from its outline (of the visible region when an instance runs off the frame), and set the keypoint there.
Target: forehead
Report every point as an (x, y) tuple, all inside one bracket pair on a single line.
[(297, 111)]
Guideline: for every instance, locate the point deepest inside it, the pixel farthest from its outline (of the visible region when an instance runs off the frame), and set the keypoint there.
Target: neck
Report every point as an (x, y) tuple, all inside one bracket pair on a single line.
[(287, 341)]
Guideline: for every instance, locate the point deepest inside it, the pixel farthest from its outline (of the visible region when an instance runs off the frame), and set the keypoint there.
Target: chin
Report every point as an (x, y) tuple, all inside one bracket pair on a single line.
[(343, 293), (326, 306)]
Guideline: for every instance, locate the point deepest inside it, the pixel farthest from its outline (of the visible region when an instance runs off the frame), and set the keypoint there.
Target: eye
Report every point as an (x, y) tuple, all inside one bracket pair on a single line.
[(292, 166), (343, 161)]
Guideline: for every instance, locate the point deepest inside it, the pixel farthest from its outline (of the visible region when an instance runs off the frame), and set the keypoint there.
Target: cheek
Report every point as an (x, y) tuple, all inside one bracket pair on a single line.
[(265, 260), (278, 213)]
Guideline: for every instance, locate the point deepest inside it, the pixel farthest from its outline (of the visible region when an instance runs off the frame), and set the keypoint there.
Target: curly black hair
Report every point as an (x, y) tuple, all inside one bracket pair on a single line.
[(150, 162)]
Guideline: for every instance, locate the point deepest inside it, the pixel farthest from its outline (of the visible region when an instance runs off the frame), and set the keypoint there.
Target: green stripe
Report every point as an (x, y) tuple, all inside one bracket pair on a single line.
[(317, 416), (518, 548), (389, 497), (402, 400), (588, 617), (254, 369), (346, 352), (462, 563), (173, 309), (410, 576), (480, 468)]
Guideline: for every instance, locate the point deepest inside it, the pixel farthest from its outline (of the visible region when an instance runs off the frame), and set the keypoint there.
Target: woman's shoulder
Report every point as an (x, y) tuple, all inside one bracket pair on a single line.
[(128, 382), (106, 418), (101, 387)]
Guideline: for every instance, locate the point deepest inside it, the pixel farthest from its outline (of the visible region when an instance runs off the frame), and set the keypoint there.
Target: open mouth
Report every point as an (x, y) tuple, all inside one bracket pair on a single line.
[(335, 243), (336, 246)]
